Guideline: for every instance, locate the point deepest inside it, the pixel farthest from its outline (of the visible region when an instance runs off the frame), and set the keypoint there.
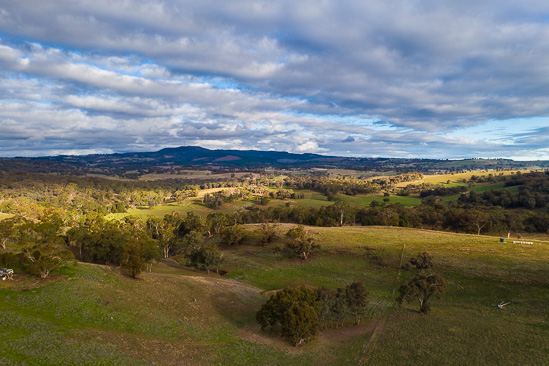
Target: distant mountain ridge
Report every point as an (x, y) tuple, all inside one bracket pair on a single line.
[(198, 156), (195, 157)]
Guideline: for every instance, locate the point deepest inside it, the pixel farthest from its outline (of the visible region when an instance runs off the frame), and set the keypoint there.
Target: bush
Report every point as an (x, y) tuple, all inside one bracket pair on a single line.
[(207, 257), (300, 242), (294, 311)]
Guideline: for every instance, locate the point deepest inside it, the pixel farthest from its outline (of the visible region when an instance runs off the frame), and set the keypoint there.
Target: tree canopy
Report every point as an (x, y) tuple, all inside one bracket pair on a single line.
[(421, 288), (295, 311)]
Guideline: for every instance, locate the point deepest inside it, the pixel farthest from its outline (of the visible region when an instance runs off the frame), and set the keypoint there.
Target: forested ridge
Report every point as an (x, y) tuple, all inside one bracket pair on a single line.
[(171, 160)]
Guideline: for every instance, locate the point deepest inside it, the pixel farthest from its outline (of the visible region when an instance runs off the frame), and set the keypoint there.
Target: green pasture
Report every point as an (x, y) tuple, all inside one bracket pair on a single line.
[(92, 315), (459, 177), (481, 272), (366, 200), (312, 200)]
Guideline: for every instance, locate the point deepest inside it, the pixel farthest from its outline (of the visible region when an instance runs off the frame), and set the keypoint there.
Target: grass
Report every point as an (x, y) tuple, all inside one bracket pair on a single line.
[(366, 200), (459, 177), (98, 316), (480, 271), (312, 200), (89, 314), (473, 334)]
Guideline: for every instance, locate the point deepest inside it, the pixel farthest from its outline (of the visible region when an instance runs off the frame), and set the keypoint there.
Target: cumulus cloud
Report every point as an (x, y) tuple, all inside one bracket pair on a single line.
[(303, 76)]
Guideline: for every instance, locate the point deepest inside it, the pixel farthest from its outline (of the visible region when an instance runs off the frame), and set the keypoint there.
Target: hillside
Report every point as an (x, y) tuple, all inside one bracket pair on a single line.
[(91, 314)]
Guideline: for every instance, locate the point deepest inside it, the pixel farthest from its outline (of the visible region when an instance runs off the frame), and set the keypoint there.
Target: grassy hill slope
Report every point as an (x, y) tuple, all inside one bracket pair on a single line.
[(90, 314)]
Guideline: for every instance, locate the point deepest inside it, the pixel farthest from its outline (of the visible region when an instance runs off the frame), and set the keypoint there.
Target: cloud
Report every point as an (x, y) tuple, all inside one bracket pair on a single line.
[(298, 76)]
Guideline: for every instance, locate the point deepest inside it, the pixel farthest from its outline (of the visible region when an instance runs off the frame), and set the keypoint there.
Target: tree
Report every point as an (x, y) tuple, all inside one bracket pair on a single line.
[(132, 261), (300, 242), (339, 308), (233, 235), (139, 252), (106, 245), (192, 240), (164, 231), (10, 259), (215, 222), (6, 231), (264, 199), (343, 212), (421, 288), (207, 257), (327, 298), (422, 261), (295, 311), (214, 200), (76, 237), (267, 233), (299, 323), (480, 219), (40, 259), (190, 223), (357, 299)]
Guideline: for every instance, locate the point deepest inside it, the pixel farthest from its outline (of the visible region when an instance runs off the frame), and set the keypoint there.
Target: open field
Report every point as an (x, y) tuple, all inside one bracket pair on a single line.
[(367, 199), (459, 177), (455, 179), (89, 313), (194, 204), (312, 199)]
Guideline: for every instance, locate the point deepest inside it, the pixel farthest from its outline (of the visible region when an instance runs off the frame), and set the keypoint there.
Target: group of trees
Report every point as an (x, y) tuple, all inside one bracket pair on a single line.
[(438, 190), (298, 313), (456, 217), (134, 244), (28, 194), (39, 249), (347, 185), (526, 198), (217, 199)]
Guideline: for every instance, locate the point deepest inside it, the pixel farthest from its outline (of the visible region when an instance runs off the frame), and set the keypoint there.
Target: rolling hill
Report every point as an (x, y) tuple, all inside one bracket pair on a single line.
[(195, 157)]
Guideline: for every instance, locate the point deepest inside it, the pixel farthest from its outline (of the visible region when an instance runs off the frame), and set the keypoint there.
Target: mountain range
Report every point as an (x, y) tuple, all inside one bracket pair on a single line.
[(194, 157)]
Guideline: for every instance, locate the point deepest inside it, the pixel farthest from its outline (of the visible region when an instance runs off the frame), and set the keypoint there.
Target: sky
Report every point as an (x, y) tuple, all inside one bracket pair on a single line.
[(412, 79)]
